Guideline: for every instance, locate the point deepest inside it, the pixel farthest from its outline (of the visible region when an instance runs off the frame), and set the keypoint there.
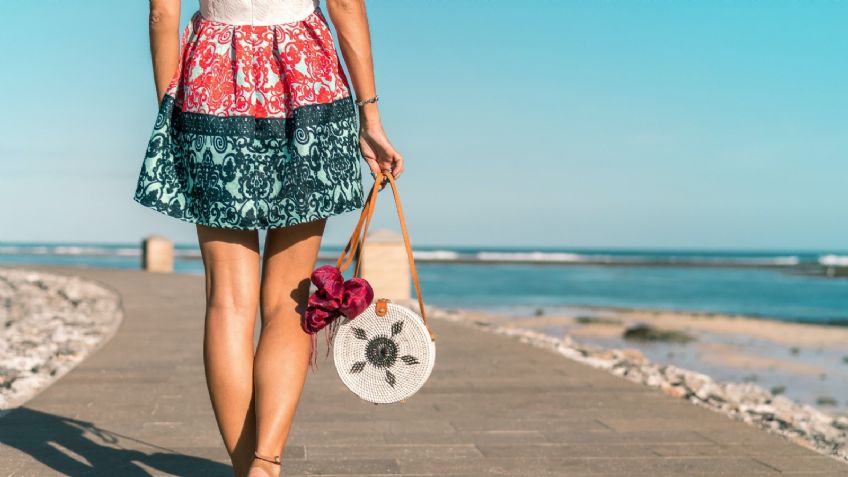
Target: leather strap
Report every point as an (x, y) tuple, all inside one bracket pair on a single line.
[(272, 459), (351, 249), (357, 239)]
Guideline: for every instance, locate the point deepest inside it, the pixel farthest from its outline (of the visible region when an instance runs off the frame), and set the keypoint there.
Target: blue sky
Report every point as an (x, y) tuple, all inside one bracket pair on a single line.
[(541, 123)]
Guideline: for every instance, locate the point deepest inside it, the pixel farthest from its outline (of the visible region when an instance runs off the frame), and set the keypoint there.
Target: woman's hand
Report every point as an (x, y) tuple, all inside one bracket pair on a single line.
[(351, 22), (377, 150)]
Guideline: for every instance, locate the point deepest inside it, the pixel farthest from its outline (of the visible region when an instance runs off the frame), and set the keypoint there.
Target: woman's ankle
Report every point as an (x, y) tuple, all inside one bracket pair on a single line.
[(263, 469), (269, 464)]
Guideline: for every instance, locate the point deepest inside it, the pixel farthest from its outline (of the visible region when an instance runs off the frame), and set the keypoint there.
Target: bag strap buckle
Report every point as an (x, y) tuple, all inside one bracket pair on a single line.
[(382, 306)]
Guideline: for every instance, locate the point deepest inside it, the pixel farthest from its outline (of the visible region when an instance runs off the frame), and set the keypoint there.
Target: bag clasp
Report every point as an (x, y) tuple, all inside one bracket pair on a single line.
[(382, 306)]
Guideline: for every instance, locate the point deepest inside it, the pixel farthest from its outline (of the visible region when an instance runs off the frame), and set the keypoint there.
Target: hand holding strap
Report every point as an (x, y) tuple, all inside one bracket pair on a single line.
[(357, 239)]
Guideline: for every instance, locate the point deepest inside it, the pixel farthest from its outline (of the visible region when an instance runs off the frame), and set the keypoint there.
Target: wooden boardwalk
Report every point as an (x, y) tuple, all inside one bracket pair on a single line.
[(138, 407)]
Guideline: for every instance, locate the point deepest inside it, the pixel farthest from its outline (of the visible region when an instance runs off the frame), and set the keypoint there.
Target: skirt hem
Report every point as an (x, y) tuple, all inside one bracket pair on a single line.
[(274, 225)]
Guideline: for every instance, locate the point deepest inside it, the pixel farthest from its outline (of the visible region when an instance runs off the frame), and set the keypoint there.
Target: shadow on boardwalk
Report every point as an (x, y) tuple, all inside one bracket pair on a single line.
[(74, 447), (493, 406)]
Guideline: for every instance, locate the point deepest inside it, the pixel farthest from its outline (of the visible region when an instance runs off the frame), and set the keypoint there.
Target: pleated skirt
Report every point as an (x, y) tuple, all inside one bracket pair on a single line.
[(257, 129)]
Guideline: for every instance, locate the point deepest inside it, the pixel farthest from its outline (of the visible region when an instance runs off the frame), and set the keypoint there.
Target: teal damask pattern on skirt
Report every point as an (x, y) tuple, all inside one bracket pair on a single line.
[(244, 172)]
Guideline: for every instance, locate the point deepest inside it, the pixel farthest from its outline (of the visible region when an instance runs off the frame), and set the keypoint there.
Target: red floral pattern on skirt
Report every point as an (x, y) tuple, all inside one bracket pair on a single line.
[(261, 71)]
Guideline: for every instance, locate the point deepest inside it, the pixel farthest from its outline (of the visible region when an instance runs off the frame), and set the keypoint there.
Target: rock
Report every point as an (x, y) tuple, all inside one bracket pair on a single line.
[(611, 354), (633, 355), (674, 391), (763, 409), (706, 390), (51, 323), (597, 320), (643, 332), (7, 377), (826, 401), (695, 381)]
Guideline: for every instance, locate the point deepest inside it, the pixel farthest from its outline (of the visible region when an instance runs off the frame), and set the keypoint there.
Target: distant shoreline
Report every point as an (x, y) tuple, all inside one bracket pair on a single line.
[(823, 264), (837, 323), (831, 313), (795, 331)]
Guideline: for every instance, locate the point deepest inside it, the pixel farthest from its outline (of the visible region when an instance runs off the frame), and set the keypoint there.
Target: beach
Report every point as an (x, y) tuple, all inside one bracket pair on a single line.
[(666, 350), (804, 361), (501, 401), (753, 317)]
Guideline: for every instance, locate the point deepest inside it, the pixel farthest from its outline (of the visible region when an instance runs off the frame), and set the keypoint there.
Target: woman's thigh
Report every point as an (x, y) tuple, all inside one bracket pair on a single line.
[(289, 258), (231, 261)]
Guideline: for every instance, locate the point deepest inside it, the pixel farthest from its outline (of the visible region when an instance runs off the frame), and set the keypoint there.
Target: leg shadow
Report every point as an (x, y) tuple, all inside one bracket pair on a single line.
[(53, 440)]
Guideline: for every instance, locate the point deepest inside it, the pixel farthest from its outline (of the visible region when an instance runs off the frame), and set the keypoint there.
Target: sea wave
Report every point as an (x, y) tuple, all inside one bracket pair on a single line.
[(788, 260), (447, 255), (69, 250), (606, 259), (834, 260), (530, 256), (436, 255), (793, 260), (87, 250)]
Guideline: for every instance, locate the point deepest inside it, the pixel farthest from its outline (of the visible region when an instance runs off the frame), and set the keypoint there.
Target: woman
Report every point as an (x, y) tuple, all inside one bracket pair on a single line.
[(257, 130)]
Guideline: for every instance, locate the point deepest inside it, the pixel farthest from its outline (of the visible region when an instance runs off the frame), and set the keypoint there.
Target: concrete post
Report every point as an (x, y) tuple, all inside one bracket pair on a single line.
[(157, 254), (386, 266)]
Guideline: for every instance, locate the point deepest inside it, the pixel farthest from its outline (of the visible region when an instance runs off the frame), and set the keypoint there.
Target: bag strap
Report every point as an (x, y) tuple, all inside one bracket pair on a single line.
[(357, 239), (352, 248)]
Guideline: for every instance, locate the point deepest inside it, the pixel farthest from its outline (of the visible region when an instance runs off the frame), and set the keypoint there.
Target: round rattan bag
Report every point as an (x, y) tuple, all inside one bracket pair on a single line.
[(385, 353)]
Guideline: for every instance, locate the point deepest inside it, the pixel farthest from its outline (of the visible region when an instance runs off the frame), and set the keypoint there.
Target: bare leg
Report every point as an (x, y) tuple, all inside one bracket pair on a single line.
[(231, 261), (282, 357)]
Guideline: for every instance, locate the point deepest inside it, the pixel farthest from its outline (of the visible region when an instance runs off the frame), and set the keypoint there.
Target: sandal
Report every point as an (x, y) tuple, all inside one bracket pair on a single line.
[(273, 459)]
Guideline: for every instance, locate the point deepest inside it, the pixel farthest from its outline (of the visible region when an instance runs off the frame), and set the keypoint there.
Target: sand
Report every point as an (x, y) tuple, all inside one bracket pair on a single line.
[(789, 334), (808, 362)]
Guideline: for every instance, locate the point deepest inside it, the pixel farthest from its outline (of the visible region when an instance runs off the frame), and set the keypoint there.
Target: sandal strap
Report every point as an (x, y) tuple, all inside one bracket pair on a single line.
[(272, 459)]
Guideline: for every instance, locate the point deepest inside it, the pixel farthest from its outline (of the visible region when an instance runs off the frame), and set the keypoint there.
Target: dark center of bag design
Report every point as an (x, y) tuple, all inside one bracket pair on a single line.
[(382, 352)]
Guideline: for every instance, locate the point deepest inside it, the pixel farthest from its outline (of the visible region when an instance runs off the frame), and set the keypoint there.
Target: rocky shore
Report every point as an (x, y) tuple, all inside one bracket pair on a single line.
[(803, 424), (50, 323)]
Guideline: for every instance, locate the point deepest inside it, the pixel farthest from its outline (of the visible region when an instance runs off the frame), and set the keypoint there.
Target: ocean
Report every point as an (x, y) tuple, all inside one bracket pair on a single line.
[(785, 285)]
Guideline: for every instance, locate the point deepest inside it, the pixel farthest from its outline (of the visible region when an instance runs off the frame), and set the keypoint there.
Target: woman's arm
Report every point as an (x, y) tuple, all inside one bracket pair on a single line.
[(351, 23), (164, 42)]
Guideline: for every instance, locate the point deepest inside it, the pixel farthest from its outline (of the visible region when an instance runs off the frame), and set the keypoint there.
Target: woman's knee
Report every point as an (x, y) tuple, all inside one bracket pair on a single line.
[(284, 301), (231, 262)]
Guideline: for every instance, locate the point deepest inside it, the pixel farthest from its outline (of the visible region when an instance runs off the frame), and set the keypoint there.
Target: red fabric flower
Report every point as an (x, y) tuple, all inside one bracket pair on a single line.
[(334, 297), (356, 298)]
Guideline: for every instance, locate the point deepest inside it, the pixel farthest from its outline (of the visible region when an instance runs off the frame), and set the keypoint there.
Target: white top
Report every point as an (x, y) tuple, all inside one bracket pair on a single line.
[(256, 12)]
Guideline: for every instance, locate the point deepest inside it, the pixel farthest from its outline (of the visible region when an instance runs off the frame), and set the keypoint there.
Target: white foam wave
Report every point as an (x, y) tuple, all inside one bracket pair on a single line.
[(75, 250), (435, 254), (790, 260), (834, 260), (71, 250), (530, 256)]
